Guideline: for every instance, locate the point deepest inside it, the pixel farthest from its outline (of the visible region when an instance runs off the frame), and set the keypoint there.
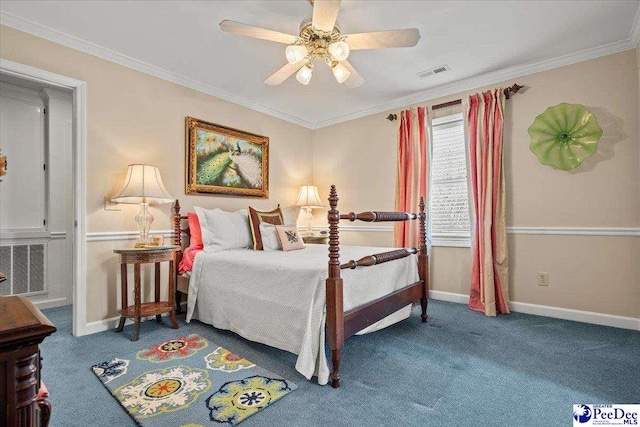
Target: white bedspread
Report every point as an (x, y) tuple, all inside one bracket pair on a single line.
[(278, 298)]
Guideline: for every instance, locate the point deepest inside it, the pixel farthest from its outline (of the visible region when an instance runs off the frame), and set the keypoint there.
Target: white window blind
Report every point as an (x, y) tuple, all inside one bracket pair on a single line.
[(450, 225)]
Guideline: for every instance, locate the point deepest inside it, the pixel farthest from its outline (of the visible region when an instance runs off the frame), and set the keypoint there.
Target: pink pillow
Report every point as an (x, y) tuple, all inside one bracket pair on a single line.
[(195, 241), (188, 256), (195, 244)]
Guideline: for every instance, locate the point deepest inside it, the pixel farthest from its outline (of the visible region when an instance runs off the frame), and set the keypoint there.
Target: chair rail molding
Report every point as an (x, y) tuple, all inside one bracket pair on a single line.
[(558, 231), (111, 236), (455, 241)]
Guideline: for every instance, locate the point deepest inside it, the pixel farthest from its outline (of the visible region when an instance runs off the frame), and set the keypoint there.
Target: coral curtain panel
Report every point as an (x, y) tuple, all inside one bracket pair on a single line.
[(489, 270), (413, 169)]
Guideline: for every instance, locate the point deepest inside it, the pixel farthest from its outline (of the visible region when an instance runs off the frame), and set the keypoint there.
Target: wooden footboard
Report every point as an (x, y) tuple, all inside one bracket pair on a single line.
[(341, 324)]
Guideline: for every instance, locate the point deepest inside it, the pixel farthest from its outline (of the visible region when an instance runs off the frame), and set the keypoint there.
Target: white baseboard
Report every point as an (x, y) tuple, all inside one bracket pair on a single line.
[(449, 296), (555, 312), (51, 303), (108, 324)]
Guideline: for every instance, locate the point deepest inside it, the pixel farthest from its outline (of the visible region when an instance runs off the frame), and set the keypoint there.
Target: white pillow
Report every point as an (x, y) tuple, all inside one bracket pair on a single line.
[(223, 230), (290, 214), (270, 240)]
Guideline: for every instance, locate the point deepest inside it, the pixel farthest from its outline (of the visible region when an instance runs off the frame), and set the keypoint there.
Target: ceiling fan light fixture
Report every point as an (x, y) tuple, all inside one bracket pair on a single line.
[(295, 53), (304, 75), (340, 72), (339, 50)]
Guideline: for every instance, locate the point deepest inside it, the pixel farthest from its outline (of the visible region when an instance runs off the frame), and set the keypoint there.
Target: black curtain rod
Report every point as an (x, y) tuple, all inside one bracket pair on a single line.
[(507, 92)]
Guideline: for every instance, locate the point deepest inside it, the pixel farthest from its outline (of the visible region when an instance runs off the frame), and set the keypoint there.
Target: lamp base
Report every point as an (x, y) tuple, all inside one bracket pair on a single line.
[(144, 219)]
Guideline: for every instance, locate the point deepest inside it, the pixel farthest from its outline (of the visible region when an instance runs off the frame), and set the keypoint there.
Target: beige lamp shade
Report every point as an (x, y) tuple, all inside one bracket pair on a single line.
[(143, 184), (308, 197)]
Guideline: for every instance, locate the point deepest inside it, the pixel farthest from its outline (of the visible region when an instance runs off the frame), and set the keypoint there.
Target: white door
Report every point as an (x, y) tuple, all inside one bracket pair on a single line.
[(35, 246)]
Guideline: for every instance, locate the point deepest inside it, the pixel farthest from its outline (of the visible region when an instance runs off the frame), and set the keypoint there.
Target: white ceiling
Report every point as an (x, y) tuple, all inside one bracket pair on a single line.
[(181, 41)]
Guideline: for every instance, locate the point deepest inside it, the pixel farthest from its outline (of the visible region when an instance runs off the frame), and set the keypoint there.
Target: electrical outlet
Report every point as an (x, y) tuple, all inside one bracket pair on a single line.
[(543, 279), (110, 206)]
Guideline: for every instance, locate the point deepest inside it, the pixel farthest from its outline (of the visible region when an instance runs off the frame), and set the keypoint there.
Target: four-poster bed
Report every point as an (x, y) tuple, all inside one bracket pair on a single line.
[(342, 323)]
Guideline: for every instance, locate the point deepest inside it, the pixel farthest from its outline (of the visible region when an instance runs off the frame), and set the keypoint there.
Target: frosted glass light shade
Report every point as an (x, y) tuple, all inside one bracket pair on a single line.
[(341, 73), (295, 53), (143, 184), (339, 50), (304, 75), (308, 197)]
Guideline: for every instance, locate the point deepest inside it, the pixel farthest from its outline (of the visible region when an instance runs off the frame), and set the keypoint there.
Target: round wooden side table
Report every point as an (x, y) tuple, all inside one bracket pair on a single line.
[(138, 256)]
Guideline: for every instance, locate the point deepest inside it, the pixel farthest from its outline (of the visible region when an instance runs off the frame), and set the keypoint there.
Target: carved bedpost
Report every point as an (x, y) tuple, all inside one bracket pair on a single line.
[(423, 261), (176, 224), (335, 309), (177, 241)]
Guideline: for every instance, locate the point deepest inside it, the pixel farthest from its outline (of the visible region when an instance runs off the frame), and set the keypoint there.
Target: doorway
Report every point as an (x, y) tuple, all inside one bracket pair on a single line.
[(36, 204), (63, 225)]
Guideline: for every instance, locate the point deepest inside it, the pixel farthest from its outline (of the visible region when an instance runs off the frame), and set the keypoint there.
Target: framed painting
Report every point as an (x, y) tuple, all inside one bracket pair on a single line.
[(222, 160)]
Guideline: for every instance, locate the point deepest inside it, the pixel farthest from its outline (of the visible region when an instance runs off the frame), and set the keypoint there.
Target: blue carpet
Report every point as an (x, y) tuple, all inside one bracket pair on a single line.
[(460, 369)]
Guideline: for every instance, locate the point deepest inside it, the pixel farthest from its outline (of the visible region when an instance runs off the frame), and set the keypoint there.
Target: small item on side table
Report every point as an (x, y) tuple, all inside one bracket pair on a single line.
[(157, 241), (138, 256), (316, 239)]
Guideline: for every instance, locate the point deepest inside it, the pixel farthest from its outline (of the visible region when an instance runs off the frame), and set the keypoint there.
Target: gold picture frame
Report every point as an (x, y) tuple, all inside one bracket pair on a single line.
[(223, 160)]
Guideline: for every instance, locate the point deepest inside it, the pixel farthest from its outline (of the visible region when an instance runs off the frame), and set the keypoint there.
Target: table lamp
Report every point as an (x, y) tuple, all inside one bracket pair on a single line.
[(143, 185), (308, 199)]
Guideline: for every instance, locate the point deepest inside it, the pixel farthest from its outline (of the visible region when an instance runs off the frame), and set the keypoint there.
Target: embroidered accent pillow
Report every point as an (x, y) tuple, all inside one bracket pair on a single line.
[(256, 217), (289, 237), (270, 240)]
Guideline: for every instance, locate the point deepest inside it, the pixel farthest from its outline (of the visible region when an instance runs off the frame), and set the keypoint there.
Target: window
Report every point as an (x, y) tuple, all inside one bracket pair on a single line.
[(450, 225)]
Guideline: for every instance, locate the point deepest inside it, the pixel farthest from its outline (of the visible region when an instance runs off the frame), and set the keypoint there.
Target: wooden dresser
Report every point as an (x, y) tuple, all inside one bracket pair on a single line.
[(22, 328)]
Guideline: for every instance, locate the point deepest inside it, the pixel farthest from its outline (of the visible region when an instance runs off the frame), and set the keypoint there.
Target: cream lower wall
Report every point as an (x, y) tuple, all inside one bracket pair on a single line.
[(136, 118), (591, 273)]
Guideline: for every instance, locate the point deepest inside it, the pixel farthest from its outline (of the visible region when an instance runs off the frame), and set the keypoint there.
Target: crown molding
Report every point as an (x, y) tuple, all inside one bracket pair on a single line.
[(73, 42), (448, 89), (635, 30), (487, 79)]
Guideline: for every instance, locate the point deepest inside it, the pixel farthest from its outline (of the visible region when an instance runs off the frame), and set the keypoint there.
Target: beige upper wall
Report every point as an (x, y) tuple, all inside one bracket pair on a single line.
[(133, 117), (591, 273), (136, 118), (359, 156)]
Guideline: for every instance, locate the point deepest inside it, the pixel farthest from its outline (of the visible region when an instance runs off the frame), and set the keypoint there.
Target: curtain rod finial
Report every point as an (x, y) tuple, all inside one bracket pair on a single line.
[(513, 89), (392, 117)]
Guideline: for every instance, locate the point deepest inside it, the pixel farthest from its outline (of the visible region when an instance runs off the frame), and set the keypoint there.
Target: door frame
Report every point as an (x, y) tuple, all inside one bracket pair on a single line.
[(79, 161)]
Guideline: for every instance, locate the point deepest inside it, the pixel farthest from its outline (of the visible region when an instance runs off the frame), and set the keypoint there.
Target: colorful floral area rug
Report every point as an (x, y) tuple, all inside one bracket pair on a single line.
[(190, 381)]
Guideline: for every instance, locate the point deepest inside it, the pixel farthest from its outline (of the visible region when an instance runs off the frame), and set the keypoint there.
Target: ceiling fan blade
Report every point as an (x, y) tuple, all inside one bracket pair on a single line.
[(354, 79), (256, 32), (383, 39), (283, 73), (325, 13)]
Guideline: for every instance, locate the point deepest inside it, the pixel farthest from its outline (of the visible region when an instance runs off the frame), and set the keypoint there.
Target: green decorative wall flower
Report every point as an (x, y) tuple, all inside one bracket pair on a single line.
[(564, 136)]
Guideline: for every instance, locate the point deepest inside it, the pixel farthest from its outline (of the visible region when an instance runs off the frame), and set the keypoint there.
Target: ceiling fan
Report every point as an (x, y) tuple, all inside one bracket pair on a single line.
[(320, 38)]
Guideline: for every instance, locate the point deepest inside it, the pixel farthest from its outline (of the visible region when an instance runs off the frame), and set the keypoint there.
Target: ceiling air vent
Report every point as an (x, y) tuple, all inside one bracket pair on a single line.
[(438, 70)]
